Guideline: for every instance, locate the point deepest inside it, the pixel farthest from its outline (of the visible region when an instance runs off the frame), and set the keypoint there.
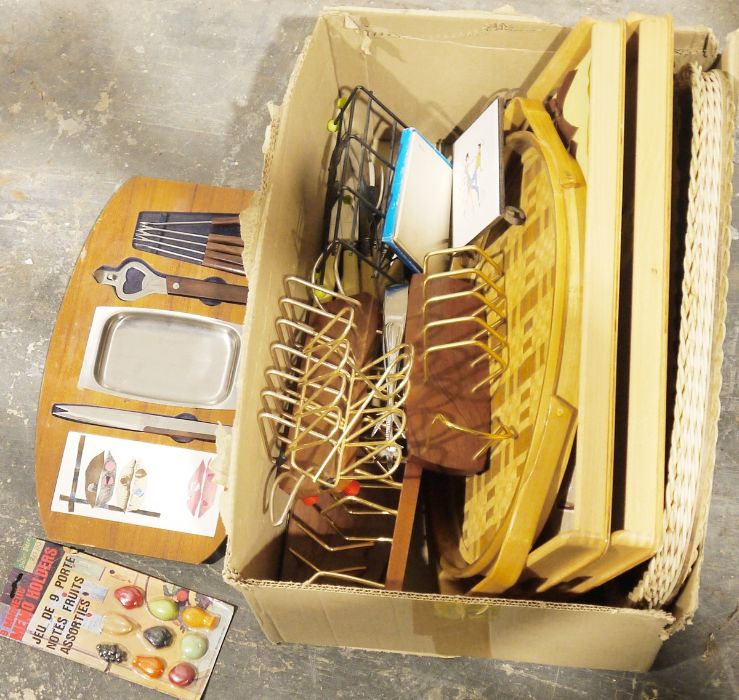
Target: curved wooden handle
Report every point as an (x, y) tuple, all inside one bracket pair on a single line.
[(202, 289)]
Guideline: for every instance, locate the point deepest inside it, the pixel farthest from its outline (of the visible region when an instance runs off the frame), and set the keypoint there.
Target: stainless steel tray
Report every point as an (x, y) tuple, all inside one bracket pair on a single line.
[(162, 356)]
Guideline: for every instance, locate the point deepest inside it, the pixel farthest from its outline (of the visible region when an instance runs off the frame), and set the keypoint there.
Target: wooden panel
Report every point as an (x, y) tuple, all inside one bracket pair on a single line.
[(109, 243)]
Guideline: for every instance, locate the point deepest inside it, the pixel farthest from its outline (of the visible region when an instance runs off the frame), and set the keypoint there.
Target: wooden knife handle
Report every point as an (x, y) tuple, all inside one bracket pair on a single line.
[(226, 220), (210, 260), (230, 241), (202, 289), (231, 251), (192, 435)]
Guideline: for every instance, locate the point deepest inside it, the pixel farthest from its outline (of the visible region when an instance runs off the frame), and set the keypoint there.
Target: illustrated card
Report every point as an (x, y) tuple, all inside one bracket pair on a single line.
[(113, 619), (477, 190), (138, 483)]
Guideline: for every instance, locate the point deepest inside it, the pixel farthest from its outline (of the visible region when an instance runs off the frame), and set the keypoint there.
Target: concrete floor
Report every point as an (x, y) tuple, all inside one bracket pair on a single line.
[(94, 92)]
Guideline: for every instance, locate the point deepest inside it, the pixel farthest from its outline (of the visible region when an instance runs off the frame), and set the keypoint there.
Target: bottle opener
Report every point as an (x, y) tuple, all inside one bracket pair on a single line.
[(133, 279)]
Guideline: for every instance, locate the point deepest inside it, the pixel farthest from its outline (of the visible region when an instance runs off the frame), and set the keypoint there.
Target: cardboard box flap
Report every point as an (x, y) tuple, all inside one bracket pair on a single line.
[(687, 601), (508, 30), (433, 91), (554, 633), (695, 44), (250, 221), (280, 246), (730, 60)]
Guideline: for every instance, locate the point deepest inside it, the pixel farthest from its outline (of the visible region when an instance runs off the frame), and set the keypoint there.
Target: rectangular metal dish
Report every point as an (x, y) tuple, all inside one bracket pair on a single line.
[(162, 356)]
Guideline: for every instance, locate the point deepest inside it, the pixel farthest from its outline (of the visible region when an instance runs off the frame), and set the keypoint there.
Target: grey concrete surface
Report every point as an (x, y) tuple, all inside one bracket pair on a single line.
[(94, 92)]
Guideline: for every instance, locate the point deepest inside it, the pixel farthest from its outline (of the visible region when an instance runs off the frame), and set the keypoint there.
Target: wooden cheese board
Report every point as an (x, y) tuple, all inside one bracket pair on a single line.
[(108, 244)]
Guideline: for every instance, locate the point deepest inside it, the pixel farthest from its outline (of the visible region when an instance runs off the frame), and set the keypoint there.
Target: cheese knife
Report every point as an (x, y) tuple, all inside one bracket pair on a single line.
[(176, 428)]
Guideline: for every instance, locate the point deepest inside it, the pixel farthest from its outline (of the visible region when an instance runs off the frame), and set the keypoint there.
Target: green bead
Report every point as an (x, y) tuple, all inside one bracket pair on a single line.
[(332, 126), (193, 645), (163, 608)]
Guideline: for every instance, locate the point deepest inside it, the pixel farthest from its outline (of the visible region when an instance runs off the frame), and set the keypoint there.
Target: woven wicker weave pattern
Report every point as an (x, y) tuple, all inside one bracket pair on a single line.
[(702, 316)]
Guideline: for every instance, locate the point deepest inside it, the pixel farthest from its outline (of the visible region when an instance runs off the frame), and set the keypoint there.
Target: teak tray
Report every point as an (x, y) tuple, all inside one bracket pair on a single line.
[(109, 243)]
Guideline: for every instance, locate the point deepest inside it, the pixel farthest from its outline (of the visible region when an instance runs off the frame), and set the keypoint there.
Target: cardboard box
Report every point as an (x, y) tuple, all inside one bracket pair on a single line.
[(436, 70)]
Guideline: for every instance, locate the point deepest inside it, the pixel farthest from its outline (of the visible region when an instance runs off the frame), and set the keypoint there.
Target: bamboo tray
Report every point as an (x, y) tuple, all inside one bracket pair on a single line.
[(578, 529), (537, 394), (109, 243), (639, 474)]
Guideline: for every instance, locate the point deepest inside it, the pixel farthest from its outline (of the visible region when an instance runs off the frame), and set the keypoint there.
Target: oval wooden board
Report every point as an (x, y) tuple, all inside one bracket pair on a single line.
[(109, 243)]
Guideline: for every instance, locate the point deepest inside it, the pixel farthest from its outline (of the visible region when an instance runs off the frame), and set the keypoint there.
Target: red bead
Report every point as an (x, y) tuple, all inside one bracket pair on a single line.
[(310, 500), (182, 674), (130, 597), (352, 488)]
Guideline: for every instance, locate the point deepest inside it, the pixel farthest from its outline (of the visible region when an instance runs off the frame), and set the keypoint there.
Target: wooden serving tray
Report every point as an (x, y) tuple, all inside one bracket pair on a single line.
[(109, 243), (639, 478)]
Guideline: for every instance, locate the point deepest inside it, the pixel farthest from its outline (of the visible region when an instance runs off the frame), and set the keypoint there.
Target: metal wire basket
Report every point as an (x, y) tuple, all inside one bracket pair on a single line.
[(360, 176)]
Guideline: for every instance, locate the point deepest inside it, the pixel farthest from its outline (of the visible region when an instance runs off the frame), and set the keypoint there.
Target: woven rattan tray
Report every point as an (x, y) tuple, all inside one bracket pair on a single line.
[(702, 328)]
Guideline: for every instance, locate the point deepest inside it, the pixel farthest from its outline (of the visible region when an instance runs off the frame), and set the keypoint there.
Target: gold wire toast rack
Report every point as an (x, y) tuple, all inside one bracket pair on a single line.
[(333, 419), (456, 325)]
